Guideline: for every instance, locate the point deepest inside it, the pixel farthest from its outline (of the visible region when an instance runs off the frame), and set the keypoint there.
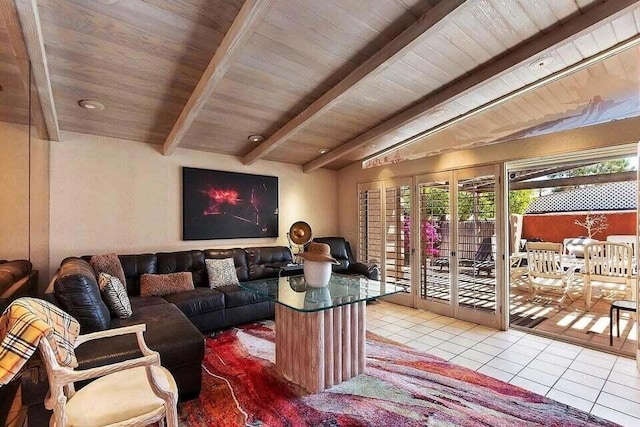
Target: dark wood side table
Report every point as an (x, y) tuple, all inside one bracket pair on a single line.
[(618, 305)]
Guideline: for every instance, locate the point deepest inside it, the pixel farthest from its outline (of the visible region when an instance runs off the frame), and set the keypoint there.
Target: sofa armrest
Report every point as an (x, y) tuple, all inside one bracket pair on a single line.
[(371, 271)]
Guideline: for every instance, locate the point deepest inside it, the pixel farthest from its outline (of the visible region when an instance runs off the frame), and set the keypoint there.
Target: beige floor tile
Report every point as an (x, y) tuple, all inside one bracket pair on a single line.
[(529, 385), (590, 369), (467, 363), (399, 338), (410, 333), (452, 348), (495, 373), (615, 416), (540, 377), (579, 390), (623, 391), (554, 359), (584, 379), (622, 405), (441, 334), (441, 353), (488, 349), (429, 340), (549, 368), (476, 355), (505, 365), (570, 400)]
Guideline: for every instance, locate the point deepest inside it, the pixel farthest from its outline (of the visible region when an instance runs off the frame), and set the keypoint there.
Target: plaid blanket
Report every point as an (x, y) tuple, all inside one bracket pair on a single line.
[(23, 324)]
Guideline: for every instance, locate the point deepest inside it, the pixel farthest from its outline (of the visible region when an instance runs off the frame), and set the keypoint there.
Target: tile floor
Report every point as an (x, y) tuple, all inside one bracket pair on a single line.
[(603, 384)]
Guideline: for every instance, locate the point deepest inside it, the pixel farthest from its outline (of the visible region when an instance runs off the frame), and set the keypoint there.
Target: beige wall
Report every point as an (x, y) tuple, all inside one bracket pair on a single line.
[(14, 195), (615, 133), (115, 195), (14, 198)]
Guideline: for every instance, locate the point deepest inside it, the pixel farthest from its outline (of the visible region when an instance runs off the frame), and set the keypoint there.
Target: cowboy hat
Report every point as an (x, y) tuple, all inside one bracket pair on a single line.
[(319, 252)]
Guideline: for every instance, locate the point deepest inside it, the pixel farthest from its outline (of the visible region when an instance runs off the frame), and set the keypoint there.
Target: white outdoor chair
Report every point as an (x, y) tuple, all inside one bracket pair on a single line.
[(608, 266), (546, 273)]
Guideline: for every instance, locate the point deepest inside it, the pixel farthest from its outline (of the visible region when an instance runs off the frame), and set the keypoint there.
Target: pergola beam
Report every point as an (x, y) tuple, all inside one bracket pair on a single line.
[(571, 30), (235, 39), (427, 24), (25, 35), (575, 180)]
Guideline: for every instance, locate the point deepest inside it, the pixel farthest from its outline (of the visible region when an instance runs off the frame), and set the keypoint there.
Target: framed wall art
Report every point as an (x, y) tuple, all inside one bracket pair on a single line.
[(228, 205)]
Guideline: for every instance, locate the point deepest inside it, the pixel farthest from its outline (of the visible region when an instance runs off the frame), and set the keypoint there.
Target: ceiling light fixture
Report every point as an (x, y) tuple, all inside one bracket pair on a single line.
[(370, 146), (91, 105), (541, 62), (323, 150), (256, 138)]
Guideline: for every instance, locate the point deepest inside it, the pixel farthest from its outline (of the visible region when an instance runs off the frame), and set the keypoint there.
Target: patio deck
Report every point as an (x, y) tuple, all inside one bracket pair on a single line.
[(541, 314), (572, 321)]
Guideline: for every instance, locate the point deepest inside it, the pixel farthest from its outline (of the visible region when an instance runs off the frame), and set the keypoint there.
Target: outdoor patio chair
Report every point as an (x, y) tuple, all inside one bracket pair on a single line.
[(608, 266), (482, 261), (546, 272)]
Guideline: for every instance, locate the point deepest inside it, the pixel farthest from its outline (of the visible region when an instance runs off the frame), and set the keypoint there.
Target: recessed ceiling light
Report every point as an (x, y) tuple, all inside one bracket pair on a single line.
[(91, 105), (323, 150), (256, 138), (541, 62), (370, 146), (108, 2)]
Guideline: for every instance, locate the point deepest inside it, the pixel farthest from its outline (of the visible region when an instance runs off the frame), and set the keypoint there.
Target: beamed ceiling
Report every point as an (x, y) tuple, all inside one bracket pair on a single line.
[(353, 77)]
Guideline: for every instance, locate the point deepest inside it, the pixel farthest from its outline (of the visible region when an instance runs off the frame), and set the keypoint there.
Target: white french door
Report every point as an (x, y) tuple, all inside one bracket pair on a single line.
[(441, 239)]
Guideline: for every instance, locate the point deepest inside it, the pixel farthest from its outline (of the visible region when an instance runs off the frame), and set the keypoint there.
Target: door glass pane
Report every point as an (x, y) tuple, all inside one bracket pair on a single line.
[(435, 281), (369, 226), (397, 264), (477, 243)]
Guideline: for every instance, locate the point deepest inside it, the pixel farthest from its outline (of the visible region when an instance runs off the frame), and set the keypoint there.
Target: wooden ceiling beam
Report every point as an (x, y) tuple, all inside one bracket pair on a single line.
[(25, 35), (241, 29), (564, 33), (427, 24)]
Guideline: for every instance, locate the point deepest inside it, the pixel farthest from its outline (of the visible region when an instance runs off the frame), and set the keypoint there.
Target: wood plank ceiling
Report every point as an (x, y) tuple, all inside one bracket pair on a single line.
[(143, 60), (14, 99)]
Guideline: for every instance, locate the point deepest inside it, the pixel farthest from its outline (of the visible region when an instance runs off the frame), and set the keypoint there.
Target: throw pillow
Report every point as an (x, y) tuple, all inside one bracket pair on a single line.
[(221, 272), (110, 264), (115, 295), (165, 284)]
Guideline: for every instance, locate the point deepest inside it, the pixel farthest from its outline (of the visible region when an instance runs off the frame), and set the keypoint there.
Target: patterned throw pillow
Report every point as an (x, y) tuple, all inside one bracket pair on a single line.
[(115, 295), (221, 272), (165, 284)]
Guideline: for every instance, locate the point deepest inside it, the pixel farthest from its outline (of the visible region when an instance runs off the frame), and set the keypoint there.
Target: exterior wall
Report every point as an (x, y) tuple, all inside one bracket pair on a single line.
[(556, 227), (113, 195)]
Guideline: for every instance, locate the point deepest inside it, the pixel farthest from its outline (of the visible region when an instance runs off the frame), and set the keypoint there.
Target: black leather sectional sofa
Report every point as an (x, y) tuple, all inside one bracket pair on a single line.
[(175, 323)]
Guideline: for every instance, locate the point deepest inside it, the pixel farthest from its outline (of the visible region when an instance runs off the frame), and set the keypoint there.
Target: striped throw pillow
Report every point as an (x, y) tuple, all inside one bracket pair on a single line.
[(115, 295)]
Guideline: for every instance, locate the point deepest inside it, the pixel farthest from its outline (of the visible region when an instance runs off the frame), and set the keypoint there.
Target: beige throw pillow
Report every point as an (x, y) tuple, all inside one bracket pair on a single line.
[(165, 284), (221, 272), (110, 264)]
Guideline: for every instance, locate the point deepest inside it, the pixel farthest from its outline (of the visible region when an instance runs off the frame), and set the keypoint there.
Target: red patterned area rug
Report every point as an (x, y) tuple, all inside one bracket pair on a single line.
[(402, 387)]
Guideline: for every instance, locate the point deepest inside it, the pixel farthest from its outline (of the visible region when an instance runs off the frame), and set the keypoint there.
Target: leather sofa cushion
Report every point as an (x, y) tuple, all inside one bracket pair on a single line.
[(192, 261), (265, 262), (198, 301), (340, 250), (78, 294), (235, 296), (135, 266), (239, 260), (145, 301), (168, 332)]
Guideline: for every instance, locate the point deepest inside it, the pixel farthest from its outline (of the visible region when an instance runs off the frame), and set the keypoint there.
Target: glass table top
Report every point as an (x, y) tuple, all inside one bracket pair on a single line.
[(293, 292)]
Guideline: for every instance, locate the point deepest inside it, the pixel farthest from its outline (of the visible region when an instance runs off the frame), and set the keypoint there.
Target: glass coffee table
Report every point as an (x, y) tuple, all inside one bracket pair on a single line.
[(320, 332)]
